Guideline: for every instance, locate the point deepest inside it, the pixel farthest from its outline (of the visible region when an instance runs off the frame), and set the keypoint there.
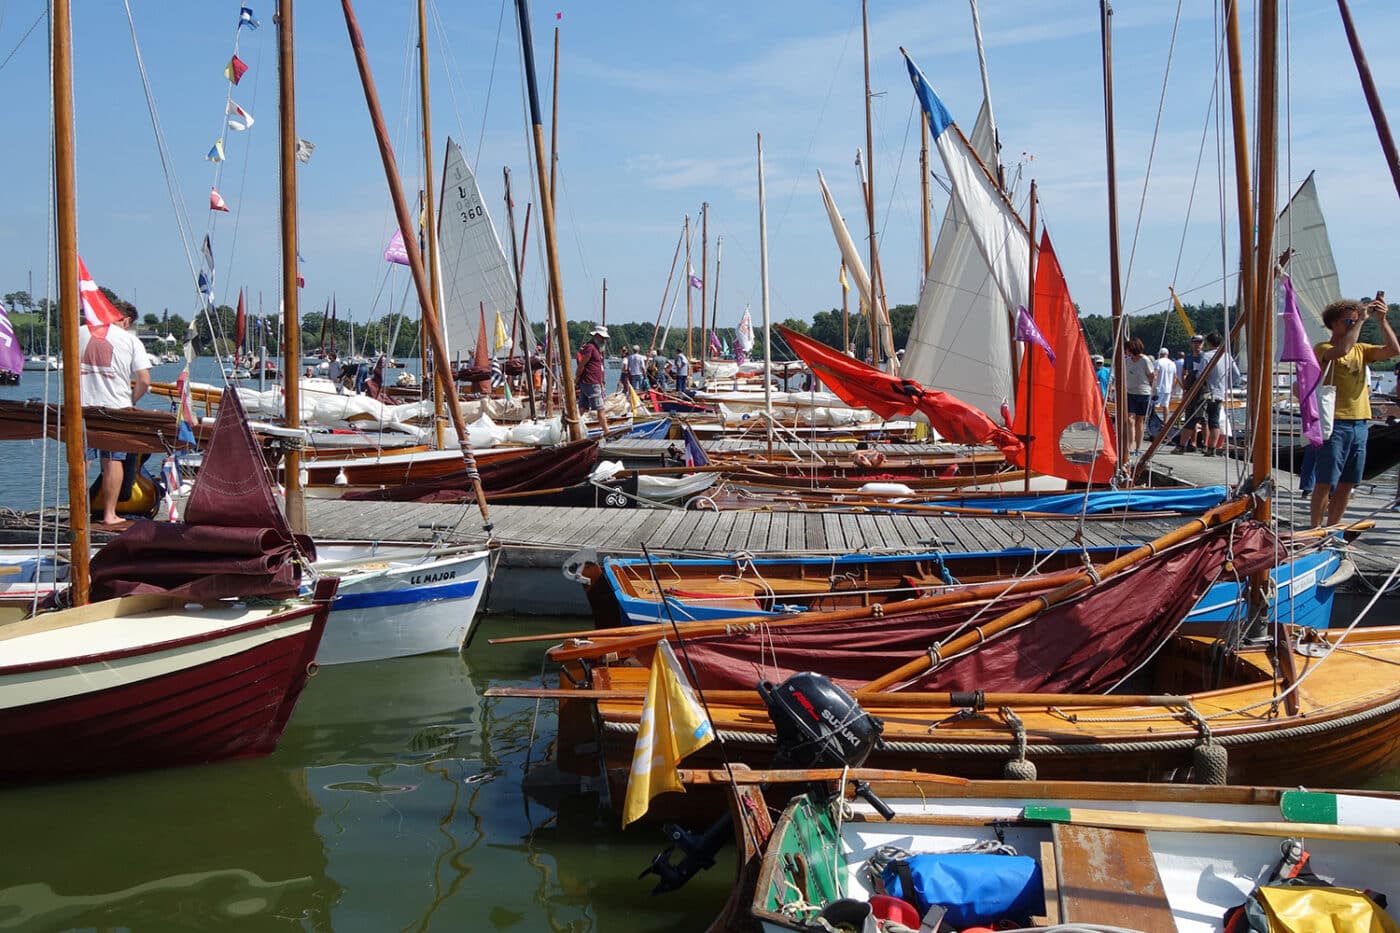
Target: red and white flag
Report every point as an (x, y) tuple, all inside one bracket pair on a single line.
[(238, 118), (216, 201), (97, 310)]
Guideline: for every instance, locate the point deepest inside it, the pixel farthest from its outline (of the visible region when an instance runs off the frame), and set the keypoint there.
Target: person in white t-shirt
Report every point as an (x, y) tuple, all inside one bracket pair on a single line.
[(114, 372)]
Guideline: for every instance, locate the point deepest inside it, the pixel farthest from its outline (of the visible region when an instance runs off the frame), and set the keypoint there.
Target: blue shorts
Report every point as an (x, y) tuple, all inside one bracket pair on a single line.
[(590, 397), (1342, 456), (94, 454), (1139, 404)]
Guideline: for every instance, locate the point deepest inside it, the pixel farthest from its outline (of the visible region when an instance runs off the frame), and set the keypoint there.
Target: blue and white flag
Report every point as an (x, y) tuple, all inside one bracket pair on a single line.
[(695, 455), (208, 250), (245, 18), (206, 288)]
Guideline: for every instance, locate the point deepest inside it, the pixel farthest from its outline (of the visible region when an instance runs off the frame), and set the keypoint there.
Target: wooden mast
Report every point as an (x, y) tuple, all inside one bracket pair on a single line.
[(66, 208), (561, 324), (1244, 201), (1120, 382), (527, 339), (415, 258), (1028, 437), (763, 282), (1261, 330), (291, 314), (714, 313), (846, 310), (689, 327), (605, 301), (1373, 97), (870, 189), (429, 221), (704, 278)]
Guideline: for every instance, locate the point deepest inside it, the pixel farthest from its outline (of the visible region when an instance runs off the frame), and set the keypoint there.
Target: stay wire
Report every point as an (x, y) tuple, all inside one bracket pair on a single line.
[(32, 26)]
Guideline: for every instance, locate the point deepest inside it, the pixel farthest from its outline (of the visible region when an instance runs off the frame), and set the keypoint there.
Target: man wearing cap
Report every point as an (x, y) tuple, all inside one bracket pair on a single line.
[(682, 370), (1101, 373), (636, 369), (113, 372), (1192, 368), (589, 376), (1163, 384)]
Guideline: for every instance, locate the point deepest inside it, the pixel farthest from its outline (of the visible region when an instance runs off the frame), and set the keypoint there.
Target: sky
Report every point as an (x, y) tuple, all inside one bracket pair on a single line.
[(659, 107)]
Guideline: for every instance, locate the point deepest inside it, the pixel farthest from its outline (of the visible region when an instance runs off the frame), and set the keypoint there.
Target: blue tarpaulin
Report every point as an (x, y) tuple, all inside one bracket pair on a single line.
[(1186, 499), (651, 430)]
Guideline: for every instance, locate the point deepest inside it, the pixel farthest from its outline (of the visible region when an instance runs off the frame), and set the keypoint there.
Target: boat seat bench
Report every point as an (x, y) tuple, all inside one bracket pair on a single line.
[(1106, 875)]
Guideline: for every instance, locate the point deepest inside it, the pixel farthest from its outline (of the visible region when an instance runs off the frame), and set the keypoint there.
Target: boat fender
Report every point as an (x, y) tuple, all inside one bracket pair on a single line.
[(1344, 572), (1019, 769), (573, 567), (886, 489), (1211, 763)]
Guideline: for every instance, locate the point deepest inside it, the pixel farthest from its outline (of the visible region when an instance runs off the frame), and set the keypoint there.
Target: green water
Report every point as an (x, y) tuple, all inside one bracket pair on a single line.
[(394, 802)]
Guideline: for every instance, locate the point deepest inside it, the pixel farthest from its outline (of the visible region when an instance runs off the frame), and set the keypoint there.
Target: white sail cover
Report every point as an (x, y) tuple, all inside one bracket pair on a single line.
[(960, 341), (475, 270), (1302, 228)]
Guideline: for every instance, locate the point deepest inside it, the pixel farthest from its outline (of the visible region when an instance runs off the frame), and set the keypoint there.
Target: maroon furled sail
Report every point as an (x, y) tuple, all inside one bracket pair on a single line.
[(547, 468), (1082, 646), (234, 541)]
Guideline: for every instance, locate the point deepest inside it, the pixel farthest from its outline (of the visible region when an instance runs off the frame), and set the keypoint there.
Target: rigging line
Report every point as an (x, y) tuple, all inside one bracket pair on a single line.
[(450, 66), (1152, 149), (50, 259), (491, 81), (172, 184), (43, 14), (578, 242)]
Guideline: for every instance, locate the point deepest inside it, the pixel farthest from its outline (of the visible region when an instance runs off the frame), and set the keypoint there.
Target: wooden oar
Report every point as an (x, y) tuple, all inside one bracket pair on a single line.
[(803, 775), (1306, 806), (1173, 823), (1082, 581)]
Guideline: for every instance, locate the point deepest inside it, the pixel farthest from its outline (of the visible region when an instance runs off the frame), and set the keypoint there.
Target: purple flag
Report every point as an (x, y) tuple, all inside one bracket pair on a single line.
[(1027, 332), (395, 251), (11, 357), (715, 346), (694, 279), (1297, 349)]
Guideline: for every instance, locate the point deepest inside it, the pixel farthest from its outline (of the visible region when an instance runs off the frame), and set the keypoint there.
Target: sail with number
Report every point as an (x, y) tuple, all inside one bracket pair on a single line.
[(476, 275), (960, 340), (1302, 234)]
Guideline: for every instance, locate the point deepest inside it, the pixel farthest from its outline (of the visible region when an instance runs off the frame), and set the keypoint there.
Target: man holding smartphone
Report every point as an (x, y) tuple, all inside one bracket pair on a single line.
[(1342, 457)]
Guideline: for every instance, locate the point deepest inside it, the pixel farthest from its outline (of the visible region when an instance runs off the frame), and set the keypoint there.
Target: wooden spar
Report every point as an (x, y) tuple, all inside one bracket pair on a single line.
[(1373, 97), (605, 301), (429, 212), (696, 777), (1215, 516), (1173, 822), (925, 207), (704, 278), (846, 309), (1187, 399), (556, 290), (1030, 350), (1244, 201), (516, 268), (969, 699), (666, 293), (1261, 330), (553, 172), (767, 323), (870, 187), (432, 325), (689, 325), (291, 312), (714, 312), (1120, 380), (66, 206)]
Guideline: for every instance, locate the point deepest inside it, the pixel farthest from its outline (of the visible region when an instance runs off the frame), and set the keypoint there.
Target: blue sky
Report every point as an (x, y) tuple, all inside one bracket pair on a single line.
[(659, 106)]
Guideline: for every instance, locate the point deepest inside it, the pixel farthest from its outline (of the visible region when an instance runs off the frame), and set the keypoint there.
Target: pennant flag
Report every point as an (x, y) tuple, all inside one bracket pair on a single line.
[(171, 469), (695, 281), (715, 345), (1296, 349), (304, 149), (208, 251), (395, 251), (695, 455), (206, 288), (745, 336), (216, 201), (185, 412), (235, 70), (238, 118), (635, 402), (11, 356), (1181, 313), (845, 286), (301, 282), (97, 310), (673, 725), (1027, 332), (502, 338), (245, 18), (216, 152)]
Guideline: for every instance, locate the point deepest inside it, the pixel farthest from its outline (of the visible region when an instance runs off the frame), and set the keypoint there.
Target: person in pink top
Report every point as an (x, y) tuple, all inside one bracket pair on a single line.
[(590, 378)]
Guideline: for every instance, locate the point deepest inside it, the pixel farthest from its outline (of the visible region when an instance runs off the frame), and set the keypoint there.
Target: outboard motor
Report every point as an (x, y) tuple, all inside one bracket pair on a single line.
[(818, 725)]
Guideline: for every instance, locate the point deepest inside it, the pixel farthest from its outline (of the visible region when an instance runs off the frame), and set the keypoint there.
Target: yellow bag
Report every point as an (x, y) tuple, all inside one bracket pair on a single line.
[(1308, 909)]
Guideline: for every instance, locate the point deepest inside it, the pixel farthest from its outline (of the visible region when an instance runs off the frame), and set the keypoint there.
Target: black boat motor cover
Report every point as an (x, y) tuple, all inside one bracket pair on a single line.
[(818, 724)]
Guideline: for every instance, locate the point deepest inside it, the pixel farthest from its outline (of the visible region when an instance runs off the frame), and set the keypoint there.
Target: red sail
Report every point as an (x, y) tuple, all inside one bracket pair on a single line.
[(481, 360), (862, 385), (1064, 393), (240, 325)]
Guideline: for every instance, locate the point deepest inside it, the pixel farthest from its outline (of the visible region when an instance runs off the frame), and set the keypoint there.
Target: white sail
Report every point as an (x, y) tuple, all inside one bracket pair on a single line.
[(475, 270), (960, 340), (1302, 229), (853, 263)]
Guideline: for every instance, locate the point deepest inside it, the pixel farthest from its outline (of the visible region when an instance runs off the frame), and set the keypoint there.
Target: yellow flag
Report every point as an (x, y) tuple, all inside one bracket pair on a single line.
[(673, 725), (845, 286), (1181, 313), (636, 402), (502, 338)]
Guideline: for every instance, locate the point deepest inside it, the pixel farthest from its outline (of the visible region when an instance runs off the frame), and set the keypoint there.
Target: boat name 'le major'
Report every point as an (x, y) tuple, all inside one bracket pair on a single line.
[(420, 578)]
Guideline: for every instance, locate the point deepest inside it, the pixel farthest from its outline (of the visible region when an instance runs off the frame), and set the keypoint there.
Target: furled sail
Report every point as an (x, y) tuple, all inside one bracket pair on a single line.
[(476, 276), (851, 257), (960, 340)]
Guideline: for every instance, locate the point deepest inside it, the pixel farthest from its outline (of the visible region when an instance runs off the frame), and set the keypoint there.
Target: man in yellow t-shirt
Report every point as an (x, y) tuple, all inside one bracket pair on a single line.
[(1342, 457)]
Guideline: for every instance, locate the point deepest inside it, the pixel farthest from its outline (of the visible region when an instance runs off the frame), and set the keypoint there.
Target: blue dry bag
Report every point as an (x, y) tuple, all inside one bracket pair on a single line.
[(976, 888)]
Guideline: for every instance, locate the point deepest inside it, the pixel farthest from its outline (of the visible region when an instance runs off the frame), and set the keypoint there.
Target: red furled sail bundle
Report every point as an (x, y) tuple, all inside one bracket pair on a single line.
[(862, 385), (1052, 396)]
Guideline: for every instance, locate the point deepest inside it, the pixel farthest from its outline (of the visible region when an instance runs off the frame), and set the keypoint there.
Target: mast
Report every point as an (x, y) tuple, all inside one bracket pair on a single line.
[(767, 324), (65, 191), (870, 184), (291, 318), (561, 326), (1120, 381), (1244, 200), (846, 309), (415, 258), (1373, 97), (689, 327), (925, 220), (987, 95), (515, 265), (1261, 330), (1030, 349), (429, 210), (704, 277), (605, 301), (714, 312)]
